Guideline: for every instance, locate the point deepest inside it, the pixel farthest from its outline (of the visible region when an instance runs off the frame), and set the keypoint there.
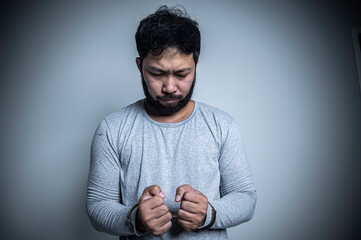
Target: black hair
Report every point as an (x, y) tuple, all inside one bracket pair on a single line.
[(168, 27)]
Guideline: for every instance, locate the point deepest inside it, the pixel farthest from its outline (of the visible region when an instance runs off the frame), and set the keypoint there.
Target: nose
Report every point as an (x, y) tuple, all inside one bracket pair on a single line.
[(169, 85)]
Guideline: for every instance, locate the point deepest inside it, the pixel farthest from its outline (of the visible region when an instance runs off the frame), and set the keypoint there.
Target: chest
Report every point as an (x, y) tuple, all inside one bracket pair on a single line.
[(169, 157), (189, 146)]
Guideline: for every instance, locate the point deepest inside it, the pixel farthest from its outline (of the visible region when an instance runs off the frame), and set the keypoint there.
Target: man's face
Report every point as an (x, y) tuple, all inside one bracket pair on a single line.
[(168, 80)]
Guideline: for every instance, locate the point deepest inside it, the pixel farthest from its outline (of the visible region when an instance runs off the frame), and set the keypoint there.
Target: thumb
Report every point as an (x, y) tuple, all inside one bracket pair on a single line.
[(152, 191), (181, 190)]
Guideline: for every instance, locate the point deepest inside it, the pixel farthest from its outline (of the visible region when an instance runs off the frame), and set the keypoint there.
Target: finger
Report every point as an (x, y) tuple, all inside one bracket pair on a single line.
[(188, 226), (186, 216), (197, 191), (195, 219), (159, 225), (192, 196), (153, 190), (157, 219), (161, 210), (181, 190), (150, 216), (196, 197), (164, 219), (166, 226), (152, 202), (162, 229), (189, 206)]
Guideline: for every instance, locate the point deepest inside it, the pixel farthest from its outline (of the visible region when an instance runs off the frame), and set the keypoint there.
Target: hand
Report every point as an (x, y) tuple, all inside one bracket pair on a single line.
[(153, 215), (193, 208)]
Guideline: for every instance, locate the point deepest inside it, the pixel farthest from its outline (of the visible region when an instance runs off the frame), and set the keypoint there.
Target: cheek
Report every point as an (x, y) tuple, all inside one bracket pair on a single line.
[(154, 87), (185, 86)]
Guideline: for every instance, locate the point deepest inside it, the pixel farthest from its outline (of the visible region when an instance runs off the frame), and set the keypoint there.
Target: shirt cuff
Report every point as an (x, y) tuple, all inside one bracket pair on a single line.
[(210, 218), (132, 219)]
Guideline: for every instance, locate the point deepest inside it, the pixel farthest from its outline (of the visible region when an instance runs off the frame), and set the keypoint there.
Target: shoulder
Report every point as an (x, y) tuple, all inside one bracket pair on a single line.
[(123, 116), (214, 114), (222, 123), (125, 111)]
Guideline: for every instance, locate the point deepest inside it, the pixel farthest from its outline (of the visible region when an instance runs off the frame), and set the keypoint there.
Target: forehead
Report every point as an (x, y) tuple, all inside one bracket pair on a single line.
[(170, 58)]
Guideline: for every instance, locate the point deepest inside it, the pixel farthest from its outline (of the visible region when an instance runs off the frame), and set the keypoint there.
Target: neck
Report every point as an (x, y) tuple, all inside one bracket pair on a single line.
[(179, 116)]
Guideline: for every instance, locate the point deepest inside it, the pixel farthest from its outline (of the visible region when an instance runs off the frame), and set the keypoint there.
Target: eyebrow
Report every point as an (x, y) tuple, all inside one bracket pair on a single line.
[(185, 69)]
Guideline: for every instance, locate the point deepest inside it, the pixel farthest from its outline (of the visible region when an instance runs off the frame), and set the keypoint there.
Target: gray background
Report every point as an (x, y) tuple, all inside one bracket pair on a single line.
[(284, 69)]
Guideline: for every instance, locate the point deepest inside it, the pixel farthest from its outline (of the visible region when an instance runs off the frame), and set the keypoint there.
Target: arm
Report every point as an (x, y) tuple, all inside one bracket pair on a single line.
[(103, 204), (238, 194)]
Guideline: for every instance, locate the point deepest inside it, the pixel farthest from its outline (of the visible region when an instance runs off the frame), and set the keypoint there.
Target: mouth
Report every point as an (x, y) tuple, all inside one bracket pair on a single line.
[(170, 99)]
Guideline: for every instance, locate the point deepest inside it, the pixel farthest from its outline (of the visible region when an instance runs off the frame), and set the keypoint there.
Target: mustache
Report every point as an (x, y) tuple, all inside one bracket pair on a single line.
[(169, 97)]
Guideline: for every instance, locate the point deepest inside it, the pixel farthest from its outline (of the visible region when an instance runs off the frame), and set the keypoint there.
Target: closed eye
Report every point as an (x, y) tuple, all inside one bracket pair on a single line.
[(181, 75), (155, 74)]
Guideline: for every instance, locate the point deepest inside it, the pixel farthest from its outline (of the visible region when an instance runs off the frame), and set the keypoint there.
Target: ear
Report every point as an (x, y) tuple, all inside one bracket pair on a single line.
[(138, 61)]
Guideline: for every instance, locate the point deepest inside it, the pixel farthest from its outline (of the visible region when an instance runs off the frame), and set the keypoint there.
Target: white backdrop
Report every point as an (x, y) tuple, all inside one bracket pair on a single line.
[(285, 70)]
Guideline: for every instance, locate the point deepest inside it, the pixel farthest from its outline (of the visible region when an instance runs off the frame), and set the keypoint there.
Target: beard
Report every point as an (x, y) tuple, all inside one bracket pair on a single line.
[(155, 106)]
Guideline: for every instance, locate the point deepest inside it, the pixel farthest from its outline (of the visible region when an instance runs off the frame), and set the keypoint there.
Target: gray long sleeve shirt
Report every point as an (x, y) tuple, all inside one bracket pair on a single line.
[(130, 151)]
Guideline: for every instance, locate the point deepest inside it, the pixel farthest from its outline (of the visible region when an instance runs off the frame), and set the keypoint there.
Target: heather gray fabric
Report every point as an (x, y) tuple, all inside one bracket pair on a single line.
[(130, 151)]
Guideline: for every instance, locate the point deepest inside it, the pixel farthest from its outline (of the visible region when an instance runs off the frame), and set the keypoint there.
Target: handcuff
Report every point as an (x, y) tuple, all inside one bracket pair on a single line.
[(213, 218)]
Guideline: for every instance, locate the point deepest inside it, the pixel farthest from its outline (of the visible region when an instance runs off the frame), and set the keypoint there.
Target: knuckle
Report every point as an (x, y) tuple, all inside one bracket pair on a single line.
[(181, 223), (155, 200), (162, 210), (165, 208), (184, 187), (189, 195), (158, 200), (188, 187), (147, 189), (169, 226), (183, 204), (180, 213)]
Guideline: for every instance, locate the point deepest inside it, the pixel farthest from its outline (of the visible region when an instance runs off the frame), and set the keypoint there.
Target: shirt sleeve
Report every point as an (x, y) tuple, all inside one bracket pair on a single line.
[(103, 202), (238, 194)]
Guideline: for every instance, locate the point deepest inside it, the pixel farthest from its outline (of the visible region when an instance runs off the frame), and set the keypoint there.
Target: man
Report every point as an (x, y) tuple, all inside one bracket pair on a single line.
[(166, 166)]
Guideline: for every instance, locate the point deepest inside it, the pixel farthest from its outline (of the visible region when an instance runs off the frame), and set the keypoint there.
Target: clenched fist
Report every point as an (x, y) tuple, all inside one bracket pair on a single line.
[(153, 215), (193, 207)]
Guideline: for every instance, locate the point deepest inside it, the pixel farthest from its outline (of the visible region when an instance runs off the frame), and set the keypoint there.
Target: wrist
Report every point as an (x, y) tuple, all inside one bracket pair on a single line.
[(139, 223), (209, 219), (132, 221)]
